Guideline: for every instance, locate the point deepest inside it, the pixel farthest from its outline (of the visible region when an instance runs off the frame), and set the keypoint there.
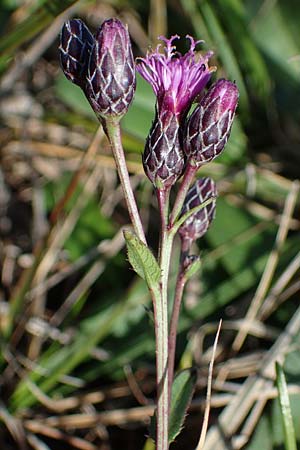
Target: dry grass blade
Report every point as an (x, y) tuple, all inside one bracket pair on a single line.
[(157, 19), (63, 152), (243, 404), (90, 154), (14, 426), (60, 405), (271, 301), (87, 420), (134, 386), (35, 51), (261, 211), (43, 429), (56, 239), (107, 249), (270, 267), (36, 443), (208, 394)]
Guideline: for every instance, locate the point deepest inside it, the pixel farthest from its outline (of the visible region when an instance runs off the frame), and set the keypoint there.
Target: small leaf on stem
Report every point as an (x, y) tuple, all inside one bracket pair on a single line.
[(182, 392), (142, 260)]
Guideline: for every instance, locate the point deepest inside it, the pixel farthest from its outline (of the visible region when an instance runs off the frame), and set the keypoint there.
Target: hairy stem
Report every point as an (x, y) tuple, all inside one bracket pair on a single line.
[(113, 131)]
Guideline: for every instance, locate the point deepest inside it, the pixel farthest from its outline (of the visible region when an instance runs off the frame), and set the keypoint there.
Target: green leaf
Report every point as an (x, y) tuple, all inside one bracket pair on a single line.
[(286, 414), (39, 17), (182, 392), (232, 14), (263, 28), (142, 260)]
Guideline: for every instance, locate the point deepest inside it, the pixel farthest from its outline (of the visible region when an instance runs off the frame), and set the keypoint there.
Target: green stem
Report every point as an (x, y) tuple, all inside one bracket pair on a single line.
[(163, 196), (113, 131), (161, 325), (184, 187), (161, 337), (180, 284)]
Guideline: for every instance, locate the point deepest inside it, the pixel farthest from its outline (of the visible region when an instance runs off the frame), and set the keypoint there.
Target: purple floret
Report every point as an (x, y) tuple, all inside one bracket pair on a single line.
[(175, 79)]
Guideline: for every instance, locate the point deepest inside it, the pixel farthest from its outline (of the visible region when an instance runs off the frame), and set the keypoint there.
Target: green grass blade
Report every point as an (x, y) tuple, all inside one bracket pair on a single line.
[(225, 50), (285, 407), (31, 25)]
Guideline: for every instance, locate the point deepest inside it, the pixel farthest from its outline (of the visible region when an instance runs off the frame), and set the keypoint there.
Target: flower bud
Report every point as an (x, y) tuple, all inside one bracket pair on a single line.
[(198, 223), (208, 128), (111, 70), (163, 158), (76, 43)]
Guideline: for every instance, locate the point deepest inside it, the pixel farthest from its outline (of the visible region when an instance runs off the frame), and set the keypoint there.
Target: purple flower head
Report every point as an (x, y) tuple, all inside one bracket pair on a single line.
[(197, 224), (175, 79), (208, 128), (76, 43), (111, 70)]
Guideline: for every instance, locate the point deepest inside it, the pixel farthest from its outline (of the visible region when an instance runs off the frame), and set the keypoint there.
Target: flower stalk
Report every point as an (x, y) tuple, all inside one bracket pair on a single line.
[(161, 326), (112, 128), (164, 257)]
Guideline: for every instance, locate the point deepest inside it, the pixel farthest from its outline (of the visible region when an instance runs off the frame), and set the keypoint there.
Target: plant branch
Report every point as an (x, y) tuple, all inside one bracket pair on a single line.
[(179, 288), (163, 196), (184, 187), (113, 131)]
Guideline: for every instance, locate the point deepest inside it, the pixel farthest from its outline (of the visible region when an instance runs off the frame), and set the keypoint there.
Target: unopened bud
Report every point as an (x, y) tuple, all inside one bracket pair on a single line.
[(208, 128), (76, 43), (163, 158), (198, 223), (111, 70)]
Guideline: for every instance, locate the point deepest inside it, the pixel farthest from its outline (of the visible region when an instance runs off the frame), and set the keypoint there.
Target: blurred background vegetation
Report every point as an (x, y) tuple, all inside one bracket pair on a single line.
[(77, 341)]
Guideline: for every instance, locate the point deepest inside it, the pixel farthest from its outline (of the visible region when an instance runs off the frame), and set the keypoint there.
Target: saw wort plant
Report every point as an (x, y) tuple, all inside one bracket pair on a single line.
[(179, 142)]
